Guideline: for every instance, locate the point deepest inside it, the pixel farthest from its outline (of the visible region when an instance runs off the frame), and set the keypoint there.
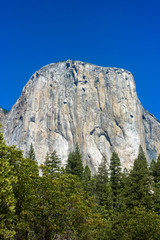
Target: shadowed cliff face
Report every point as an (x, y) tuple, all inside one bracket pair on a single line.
[(152, 135), (97, 107)]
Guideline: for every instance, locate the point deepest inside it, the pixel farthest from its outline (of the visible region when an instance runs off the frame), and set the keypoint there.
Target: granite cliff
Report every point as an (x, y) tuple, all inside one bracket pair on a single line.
[(97, 107), (1, 115)]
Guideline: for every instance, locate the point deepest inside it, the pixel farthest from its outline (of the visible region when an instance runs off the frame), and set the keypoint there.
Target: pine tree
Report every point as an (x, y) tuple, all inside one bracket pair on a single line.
[(74, 163), (31, 153), (102, 175), (155, 173), (138, 190), (101, 188), (87, 179), (115, 177), (156, 198), (87, 174), (155, 170), (101, 180), (152, 166), (52, 165)]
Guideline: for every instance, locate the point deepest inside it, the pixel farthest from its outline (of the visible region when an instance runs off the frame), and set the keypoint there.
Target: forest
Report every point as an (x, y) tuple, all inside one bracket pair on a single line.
[(51, 202)]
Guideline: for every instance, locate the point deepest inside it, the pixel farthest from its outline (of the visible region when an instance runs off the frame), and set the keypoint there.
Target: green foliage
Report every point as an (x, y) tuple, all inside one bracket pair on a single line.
[(66, 211), (115, 177), (71, 204), (18, 193), (26, 192), (102, 175), (87, 179), (52, 165), (137, 224), (115, 172), (155, 173), (103, 190), (155, 170), (156, 198), (31, 153), (74, 163), (7, 198), (138, 188), (87, 174)]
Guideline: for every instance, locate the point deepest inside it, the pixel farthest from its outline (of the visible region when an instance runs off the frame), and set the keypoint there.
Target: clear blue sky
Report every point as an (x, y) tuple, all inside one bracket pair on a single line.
[(124, 34)]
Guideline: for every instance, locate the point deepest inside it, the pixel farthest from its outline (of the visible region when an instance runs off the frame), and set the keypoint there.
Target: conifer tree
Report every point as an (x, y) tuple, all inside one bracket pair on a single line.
[(87, 179), (155, 170), (138, 190), (156, 198), (74, 163), (152, 166), (103, 190), (87, 174), (115, 177), (31, 153), (102, 177), (52, 165)]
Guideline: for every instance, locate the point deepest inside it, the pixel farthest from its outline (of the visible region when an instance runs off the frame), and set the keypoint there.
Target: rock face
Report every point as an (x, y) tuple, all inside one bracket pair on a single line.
[(97, 107), (1, 115)]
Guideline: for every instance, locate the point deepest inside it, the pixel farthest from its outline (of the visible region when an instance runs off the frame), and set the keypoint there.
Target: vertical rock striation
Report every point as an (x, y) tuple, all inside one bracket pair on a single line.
[(75, 102), (1, 115)]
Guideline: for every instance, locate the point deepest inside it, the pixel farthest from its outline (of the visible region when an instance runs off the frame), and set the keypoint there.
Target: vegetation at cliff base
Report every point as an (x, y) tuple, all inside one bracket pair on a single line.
[(70, 203)]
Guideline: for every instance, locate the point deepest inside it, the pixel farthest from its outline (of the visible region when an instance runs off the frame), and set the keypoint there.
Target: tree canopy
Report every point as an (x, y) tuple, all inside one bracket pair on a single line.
[(73, 204)]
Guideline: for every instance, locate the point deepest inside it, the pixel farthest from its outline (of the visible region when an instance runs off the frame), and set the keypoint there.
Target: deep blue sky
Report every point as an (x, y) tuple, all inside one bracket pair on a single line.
[(124, 34)]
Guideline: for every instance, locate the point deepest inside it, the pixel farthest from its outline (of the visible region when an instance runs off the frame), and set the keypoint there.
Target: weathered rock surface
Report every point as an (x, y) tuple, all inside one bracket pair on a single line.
[(97, 107), (2, 116), (152, 135)]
